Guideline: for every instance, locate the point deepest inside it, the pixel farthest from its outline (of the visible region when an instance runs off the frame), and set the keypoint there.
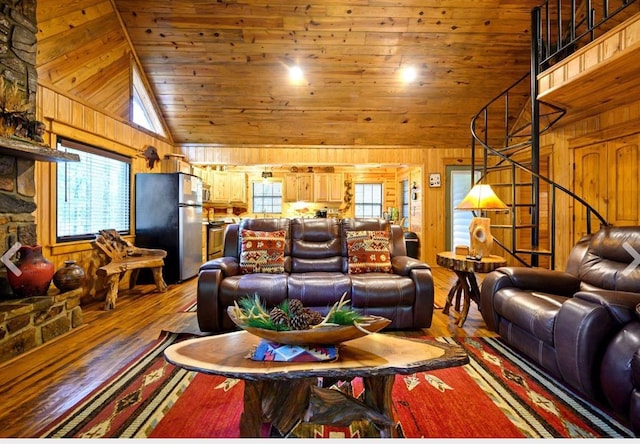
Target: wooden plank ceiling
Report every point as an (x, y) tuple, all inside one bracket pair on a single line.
[(218, 69)]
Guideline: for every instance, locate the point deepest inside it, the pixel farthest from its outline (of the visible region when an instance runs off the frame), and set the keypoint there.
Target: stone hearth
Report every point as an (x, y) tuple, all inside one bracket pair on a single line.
[(29, 322)]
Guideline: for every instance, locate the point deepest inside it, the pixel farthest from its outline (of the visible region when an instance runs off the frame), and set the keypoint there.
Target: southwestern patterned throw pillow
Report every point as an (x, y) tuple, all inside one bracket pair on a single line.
[(262, 251), (368, 252)]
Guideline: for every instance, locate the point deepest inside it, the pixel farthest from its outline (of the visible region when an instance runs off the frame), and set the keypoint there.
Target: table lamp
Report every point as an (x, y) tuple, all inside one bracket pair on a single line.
[(481, 198)]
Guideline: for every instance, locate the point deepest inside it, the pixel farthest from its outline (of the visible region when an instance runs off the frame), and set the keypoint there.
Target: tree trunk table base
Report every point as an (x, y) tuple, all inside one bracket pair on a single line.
[(287, 404), (466, 286)]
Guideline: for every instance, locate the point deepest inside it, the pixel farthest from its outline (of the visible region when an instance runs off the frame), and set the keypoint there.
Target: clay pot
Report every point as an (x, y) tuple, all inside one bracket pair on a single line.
[(69, 277), (35, 274)]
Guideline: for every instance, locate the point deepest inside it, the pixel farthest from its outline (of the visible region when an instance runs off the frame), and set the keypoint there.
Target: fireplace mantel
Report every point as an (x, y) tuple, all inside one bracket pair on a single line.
[(26, 150)]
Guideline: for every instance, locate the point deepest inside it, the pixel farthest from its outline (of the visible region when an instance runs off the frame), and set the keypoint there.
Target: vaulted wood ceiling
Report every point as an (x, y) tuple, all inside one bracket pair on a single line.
[(218, 69)]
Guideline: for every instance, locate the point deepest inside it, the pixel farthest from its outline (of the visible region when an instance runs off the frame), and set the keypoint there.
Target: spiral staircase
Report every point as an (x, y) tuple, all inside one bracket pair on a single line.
[(505, 144)]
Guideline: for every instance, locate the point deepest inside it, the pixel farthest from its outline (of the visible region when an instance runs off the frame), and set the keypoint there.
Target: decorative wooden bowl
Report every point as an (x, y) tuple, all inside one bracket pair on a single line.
[(328, 335)]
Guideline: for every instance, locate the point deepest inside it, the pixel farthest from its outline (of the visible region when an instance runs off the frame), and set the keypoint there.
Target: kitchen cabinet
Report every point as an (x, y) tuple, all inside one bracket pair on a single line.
[(220, 186), (298, 186), (327, 187), (228, 187), (237, 187), (174, 165)]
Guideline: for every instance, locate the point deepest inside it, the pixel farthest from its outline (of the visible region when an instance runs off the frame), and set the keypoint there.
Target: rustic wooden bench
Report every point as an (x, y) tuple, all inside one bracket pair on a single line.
[(123, 256)]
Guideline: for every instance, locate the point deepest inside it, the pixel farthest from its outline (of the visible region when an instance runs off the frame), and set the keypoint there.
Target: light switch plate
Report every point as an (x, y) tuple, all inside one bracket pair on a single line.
[(434, 180)]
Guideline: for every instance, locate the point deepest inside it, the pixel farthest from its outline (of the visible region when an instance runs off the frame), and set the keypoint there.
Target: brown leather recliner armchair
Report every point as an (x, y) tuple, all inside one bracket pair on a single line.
[(566, 320), (620, 372), (316, 271)]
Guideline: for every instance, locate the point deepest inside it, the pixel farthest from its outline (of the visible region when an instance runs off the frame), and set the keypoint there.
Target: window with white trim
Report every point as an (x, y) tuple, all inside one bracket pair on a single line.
[(368, 200), (267, 197), (92, 194)]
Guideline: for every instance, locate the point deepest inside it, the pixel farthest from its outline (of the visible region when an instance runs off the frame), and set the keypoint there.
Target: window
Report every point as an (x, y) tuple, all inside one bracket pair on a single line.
[(267, 197), (404, 203), (142, 111), (458, 186), (92, 194), (368, 200)]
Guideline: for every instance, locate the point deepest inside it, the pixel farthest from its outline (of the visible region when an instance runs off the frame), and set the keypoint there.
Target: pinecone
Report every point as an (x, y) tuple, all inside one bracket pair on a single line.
[(299, 322), (278, 316), (313, 317), (295, 307)]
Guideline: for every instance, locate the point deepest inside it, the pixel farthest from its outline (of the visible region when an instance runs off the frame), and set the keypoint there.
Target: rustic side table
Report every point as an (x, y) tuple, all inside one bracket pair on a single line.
[(467, 285)]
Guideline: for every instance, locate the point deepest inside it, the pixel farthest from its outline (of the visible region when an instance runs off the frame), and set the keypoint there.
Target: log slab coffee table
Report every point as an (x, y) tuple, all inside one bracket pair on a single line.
[(287, 393)]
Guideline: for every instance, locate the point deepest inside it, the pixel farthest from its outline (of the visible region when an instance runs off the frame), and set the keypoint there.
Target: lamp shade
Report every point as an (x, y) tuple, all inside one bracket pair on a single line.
[(481, 197)]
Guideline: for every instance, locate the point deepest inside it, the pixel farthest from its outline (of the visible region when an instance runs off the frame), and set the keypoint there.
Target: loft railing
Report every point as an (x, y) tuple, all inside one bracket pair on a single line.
[(559, 28), (566, 25)]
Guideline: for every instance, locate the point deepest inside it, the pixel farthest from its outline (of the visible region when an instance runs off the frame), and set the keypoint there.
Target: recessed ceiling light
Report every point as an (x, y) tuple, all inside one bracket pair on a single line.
[(295, 74), (409, 74)]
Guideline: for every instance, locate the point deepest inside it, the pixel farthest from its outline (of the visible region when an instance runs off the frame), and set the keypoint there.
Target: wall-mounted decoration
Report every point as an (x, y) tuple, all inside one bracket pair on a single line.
[(434, 180), (151, 154), (414, 191)]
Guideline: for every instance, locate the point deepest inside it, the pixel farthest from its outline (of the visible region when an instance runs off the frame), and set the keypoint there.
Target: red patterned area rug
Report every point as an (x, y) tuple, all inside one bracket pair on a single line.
[(498, 394)]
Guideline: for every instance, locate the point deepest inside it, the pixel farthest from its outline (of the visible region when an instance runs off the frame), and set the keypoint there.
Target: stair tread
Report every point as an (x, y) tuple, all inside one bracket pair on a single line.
[(541, 251), (512, 226)]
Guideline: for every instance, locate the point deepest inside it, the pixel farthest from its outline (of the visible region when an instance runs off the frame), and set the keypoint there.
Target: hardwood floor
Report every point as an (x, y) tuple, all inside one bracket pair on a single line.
[(42, 384)]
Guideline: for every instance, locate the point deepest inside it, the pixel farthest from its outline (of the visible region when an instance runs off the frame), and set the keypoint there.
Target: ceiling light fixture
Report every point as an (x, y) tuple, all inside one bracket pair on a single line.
[(296, 74), (409, 74)]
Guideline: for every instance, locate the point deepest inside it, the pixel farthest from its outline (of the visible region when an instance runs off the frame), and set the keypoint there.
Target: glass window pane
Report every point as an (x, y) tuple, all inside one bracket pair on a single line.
[(143, 112), (92, 194), (368, 200), (404, 203), (267, 197), (460, 220)]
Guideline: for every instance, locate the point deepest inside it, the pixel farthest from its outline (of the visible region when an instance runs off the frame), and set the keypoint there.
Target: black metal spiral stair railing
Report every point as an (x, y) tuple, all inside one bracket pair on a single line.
[(508, 130), (517, 160)]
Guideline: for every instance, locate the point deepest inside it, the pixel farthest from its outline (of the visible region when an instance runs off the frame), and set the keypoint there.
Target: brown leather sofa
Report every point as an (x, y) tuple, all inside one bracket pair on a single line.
[(620, 372), (316, 271), (581, 324)]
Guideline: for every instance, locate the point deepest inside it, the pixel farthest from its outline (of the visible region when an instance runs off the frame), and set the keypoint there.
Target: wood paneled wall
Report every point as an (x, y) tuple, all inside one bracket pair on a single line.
[(617, 181), (69, 118)]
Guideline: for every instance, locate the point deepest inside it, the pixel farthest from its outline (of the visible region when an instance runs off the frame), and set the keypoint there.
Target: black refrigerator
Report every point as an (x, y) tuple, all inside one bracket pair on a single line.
[(169, 217)]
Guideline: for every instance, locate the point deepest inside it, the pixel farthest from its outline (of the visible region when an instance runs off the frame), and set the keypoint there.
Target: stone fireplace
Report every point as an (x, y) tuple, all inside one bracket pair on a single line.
[(28, 322)]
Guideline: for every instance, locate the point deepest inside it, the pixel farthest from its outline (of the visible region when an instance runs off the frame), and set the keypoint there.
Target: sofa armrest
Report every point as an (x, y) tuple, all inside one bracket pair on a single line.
[(533, 279), (208, 304), (542, 280), (420, 274), (620, 304), (584, 326), (403, 265), (229, 265), (620, 372)]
